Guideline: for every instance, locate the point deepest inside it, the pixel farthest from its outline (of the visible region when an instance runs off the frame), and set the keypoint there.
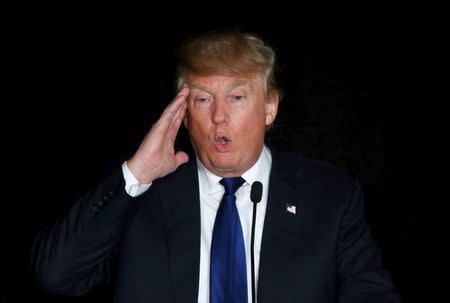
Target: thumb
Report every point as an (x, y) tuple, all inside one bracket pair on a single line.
[(181, 158)]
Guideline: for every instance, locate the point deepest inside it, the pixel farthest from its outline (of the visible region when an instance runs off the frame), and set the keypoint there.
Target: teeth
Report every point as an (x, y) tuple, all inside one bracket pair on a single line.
[(223, 141)]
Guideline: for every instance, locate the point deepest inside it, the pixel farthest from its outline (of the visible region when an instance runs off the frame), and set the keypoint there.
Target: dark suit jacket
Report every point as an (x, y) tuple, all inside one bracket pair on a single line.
[(323, 253)]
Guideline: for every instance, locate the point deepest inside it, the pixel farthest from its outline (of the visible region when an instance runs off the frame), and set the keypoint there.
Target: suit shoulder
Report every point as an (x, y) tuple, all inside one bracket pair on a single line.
[(300, 168), (323, 184)]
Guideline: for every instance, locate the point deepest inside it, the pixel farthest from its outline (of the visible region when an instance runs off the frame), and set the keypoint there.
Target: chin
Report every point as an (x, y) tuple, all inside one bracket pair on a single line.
[(224, 166)]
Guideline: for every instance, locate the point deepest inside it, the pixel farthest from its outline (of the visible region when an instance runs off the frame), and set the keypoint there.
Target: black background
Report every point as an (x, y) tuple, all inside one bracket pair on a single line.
[(86, 86)]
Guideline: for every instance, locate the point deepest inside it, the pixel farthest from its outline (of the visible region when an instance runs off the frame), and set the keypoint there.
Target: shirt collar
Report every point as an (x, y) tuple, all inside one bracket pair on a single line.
[(260, 171)]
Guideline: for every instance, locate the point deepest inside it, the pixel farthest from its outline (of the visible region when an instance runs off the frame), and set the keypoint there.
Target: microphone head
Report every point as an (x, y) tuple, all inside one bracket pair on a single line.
[(256, 192)]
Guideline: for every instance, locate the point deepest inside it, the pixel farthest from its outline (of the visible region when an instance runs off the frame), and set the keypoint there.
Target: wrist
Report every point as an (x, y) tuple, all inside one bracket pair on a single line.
[(140, 171)]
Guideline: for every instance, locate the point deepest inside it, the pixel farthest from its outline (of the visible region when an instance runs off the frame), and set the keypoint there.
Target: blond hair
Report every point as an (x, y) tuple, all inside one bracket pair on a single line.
[(229, 53)]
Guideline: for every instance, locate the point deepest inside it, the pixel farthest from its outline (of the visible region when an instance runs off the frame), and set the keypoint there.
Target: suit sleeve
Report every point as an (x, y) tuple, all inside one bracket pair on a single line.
[(74, 254), (361, 275)]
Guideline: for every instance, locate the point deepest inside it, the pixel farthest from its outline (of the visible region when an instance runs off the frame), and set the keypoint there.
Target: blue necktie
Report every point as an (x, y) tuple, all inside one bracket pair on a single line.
[(228, 281)]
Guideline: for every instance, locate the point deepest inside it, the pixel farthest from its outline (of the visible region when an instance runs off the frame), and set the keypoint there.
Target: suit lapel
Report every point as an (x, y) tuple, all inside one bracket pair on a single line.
[(182, 208), (280, 240)]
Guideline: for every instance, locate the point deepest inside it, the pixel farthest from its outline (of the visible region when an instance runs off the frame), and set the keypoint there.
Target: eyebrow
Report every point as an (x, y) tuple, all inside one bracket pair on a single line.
[(238, 83), (201, 87)]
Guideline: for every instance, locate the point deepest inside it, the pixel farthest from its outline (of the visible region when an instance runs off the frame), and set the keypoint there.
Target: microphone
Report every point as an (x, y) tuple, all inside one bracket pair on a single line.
[(255, 196), (256, 192)]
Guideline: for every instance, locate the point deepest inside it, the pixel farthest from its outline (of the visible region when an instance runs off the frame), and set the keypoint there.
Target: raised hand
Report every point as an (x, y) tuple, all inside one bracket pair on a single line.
[(156, 157)]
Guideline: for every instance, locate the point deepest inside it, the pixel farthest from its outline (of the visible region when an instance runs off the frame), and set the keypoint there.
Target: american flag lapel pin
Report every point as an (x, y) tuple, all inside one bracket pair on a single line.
[(291, 208)]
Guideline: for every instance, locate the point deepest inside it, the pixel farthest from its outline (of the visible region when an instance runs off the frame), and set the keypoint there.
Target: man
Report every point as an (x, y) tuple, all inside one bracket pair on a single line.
[(161, 220)]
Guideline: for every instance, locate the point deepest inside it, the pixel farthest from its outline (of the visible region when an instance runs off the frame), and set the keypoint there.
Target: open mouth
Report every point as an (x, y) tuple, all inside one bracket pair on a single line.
[(223, 140), (222, 143)]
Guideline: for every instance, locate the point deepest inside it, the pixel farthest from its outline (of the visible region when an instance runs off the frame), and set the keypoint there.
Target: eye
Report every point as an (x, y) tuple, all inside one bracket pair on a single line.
[(202, 100), (238, 98)]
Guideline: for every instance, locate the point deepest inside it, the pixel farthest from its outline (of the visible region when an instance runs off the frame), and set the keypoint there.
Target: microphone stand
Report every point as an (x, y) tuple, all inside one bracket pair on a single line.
[(255, 196), (252, 253)]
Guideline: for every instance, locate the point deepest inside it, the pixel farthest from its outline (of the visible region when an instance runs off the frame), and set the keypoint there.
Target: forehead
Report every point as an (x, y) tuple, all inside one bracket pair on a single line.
[(218, 82)]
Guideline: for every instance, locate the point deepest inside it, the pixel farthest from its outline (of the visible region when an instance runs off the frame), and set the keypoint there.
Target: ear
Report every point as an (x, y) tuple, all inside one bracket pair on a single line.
[(271, 107)]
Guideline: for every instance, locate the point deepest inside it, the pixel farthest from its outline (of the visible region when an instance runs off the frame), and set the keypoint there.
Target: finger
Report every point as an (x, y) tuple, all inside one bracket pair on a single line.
[(180, 112), (173, 129), (171, 111), (179, 98), (181, 157), (184, 91)]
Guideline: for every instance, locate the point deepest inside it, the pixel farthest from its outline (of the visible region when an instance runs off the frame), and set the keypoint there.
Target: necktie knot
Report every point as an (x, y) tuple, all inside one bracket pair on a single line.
[(231, 185)]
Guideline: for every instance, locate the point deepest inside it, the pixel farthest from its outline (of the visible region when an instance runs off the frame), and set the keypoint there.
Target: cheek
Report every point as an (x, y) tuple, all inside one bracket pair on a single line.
[(197, 124), (192, 116), (253, 124)]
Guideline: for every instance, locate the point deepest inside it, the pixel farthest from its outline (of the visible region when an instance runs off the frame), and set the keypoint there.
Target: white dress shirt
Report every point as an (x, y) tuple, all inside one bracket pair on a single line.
[(211, 192)]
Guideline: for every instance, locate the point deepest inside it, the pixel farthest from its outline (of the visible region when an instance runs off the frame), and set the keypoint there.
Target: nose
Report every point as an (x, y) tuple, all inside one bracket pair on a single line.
[(220, 112)]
